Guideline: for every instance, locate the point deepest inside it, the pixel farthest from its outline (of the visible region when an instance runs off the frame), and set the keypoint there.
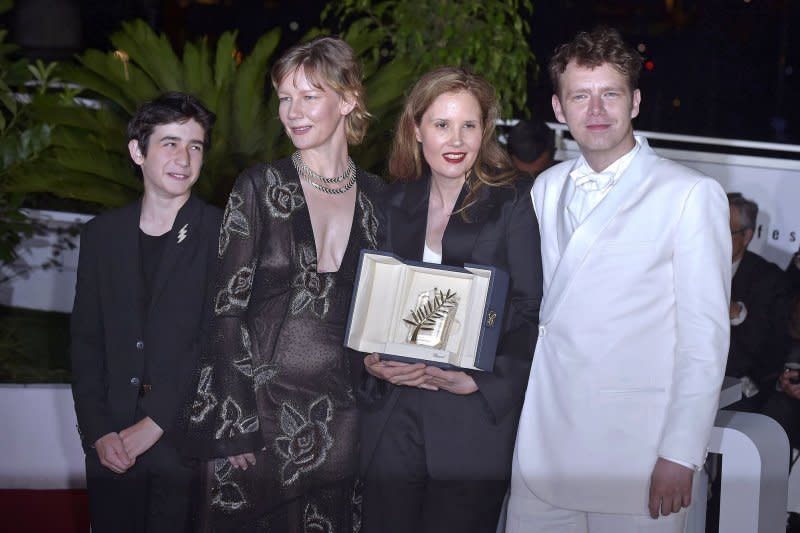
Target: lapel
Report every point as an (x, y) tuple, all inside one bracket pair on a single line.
[(187, 222), (564, 228), (407, 231), (127, 273), (546, 196), (635, 177), (459, 237), (743, 277)]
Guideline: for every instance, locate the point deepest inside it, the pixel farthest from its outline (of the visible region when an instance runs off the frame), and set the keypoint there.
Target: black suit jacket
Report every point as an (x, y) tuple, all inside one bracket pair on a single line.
[(759, 345), (793, 278), (470, 436), (114, 332)]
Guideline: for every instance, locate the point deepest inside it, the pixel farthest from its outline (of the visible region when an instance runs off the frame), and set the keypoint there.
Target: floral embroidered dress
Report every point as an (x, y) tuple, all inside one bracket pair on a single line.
[(277, 380)]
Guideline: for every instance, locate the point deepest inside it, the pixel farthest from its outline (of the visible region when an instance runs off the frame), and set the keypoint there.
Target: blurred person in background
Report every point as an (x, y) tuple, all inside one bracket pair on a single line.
[(531, 146)]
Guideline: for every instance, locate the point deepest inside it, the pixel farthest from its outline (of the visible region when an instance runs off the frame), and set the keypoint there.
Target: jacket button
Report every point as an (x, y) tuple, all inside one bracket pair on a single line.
[(140, 345), (542, 331), (135, 382)]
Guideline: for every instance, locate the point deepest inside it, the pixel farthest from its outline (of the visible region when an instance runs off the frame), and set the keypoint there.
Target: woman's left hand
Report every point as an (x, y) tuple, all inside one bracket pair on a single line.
[(397, 373), (454, 381)]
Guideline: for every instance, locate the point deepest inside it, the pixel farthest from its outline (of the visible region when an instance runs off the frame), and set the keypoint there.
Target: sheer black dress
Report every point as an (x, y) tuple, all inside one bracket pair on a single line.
[(277, 380)]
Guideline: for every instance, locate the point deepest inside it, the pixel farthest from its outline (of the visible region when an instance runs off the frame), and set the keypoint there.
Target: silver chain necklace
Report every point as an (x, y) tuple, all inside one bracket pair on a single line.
[(310, 176)]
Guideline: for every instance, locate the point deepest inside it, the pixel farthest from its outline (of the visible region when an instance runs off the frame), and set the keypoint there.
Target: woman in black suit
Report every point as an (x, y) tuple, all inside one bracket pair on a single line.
[(437, 444)]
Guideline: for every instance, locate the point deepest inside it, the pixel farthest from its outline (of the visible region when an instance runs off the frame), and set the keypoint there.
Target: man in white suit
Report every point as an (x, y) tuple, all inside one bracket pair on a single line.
[(634, 326)]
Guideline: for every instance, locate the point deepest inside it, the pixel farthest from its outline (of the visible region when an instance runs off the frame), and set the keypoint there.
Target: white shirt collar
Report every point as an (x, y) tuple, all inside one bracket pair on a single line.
[(583, 174)]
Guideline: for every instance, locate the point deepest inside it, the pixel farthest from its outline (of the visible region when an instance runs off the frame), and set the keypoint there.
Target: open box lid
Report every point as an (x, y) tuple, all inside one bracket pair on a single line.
[(387, 288)]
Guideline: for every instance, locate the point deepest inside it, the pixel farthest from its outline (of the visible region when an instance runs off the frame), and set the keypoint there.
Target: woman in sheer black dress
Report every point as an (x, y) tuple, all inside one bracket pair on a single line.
[(275, 402)]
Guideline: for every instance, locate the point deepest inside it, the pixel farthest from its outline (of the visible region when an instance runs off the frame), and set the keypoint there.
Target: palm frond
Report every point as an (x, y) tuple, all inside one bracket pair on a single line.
[(425, 316), (197, 74), (152, 53), (248, 110), (225, 62), (69, 184)]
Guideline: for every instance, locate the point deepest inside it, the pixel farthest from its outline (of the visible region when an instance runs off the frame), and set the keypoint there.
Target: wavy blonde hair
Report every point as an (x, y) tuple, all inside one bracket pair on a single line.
[(492, 165), (332, 61)]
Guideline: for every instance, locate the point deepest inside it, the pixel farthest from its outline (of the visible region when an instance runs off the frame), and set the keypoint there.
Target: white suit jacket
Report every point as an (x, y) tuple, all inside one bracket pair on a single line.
[(633, 335)]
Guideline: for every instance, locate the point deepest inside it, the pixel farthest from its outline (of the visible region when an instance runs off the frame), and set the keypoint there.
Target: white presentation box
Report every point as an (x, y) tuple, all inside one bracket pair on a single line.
[(388, 292)]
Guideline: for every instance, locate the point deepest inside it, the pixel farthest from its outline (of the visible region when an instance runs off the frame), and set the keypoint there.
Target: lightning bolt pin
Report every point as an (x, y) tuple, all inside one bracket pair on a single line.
[(182, 233)]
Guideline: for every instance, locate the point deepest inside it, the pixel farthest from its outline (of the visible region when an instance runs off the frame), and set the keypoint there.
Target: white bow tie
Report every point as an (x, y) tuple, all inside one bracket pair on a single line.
[(588, 180)]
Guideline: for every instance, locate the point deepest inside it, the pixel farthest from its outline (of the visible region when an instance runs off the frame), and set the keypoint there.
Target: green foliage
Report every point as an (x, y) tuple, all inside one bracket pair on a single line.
[(489, 37), (13, 226), (43, 74), (24, 348), (82, 154), (35, 346), (88, 158), (22, 139), (385, 83)]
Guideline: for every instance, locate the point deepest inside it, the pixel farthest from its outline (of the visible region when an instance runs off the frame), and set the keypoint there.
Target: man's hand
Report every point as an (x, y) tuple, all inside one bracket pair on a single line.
[(670, 487), (453, 381), (111, 452), (140, 437), (791, 389), (397, 373), (736, 308), (242, 460)]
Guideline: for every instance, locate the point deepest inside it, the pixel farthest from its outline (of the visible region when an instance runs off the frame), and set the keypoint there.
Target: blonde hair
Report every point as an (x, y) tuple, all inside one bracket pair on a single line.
[(332, 61), (492, 165)]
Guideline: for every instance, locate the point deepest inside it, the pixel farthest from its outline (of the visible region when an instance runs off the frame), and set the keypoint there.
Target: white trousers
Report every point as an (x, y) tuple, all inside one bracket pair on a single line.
[(529, 514)]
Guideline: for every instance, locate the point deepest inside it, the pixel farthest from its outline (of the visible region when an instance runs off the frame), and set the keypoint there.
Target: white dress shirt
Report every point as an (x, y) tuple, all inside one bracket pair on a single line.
[(429, 256), (591, 187)]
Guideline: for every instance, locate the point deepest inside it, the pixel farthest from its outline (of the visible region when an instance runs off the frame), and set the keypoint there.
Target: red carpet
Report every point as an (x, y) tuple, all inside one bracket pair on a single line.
[(44, 511)]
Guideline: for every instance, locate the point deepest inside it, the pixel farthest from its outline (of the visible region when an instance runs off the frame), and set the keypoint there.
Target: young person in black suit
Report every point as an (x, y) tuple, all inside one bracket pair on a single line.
[(437, 444), (143, 294)]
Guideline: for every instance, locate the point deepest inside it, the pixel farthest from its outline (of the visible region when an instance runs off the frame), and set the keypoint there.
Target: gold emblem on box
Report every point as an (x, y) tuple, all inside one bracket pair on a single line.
[(429, 322)]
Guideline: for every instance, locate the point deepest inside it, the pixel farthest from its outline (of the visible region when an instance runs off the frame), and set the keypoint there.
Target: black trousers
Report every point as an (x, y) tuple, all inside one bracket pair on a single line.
[(400, 496), (155, 495)]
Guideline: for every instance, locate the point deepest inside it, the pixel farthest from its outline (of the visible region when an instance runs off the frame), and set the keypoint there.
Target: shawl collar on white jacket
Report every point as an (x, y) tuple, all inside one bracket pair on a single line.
[(559, 268)]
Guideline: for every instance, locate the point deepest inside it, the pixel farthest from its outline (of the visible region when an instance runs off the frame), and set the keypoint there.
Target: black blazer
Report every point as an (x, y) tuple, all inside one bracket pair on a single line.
[(760, 344), (113, 333), (473, 435), (793, 278)]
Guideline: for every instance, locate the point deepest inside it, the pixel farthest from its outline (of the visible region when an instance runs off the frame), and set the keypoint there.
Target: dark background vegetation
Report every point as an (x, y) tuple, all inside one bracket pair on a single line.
[(724, 68)]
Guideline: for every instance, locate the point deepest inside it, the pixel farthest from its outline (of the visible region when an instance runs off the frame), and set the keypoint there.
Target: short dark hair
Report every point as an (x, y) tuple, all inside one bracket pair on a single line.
[(165, 109), (747, 209), (528, 140), (593, 49)]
